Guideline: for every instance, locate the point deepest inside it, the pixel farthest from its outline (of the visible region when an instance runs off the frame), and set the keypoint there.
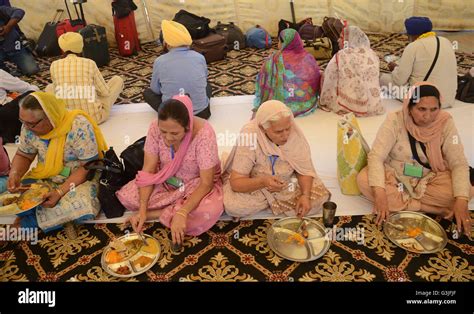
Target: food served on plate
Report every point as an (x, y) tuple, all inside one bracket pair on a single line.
[(414, 232), (304, 231), (33, 197), (130, 255), (296, 238), (142, 261), (419, 233), (433, 236), (120, 251), (123, 270), (113, 256), (10, 200), (133, 246), (118, 245), (8, 204), (151, 246), (410, 244)]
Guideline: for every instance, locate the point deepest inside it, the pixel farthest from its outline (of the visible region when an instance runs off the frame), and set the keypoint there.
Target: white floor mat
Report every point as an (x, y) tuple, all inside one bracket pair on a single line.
[(130, 122)]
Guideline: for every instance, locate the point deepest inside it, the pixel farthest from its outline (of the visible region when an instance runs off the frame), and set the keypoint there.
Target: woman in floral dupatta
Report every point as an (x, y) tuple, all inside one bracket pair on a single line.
[(351, 79), (290, 75)]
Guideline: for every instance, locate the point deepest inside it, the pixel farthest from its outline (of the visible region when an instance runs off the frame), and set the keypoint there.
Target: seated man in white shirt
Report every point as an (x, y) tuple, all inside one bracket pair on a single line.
[(12, 90), (417, 59)]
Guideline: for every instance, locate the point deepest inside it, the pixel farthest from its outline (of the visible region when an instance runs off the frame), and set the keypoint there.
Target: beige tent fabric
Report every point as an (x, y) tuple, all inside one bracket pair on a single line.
[(369, 15)]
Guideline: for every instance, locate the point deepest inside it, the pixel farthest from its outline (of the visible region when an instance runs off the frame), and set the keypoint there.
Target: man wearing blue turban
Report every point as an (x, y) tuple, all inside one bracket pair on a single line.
[(417, 25), (417, 59)]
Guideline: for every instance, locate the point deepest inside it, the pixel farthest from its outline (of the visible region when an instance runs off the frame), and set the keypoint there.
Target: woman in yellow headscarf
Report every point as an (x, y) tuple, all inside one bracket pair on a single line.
[(63, 141)]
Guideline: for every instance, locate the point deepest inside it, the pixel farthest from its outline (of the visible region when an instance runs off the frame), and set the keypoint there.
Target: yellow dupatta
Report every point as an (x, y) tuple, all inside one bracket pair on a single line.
[(62, 120)]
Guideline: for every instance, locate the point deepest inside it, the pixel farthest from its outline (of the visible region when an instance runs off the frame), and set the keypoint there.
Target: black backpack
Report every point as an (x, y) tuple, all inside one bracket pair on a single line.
[(111, 180), (122, 8), (284, 24), (133, 157), (232, 33), (197, 26), (465, 91), (10, 125)]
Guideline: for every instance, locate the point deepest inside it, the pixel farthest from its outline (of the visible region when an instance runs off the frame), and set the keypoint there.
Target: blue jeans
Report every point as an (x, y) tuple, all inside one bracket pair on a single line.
[(22, 58)]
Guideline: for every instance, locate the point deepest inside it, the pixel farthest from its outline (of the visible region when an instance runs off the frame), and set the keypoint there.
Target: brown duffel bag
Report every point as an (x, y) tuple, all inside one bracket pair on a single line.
[(310, 32), (332, 28), (213, 47), (320, 48)]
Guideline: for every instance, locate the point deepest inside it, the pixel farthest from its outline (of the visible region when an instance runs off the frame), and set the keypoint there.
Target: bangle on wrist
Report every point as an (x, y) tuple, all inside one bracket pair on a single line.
[(182, 213), (59, 191)]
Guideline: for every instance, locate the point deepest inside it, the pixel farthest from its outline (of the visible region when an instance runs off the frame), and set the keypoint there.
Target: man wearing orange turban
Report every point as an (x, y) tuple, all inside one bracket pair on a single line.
[(180, 71), (79, 83), (175, 34)]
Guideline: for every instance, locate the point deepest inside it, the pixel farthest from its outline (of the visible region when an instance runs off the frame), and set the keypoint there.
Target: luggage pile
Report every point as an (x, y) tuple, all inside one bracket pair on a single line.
[(212, 43), (319, 41), (96, 46)]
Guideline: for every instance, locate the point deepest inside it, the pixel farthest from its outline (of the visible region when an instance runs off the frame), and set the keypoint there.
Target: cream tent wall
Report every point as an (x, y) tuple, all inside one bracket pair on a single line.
[(370, 15)]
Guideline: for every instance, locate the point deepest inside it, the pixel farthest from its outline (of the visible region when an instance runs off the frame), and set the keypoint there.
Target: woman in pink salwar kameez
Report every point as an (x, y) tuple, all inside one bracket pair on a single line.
[(184, 148)]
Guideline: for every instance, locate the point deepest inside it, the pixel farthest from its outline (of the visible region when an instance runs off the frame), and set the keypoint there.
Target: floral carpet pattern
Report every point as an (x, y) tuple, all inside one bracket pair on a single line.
[(237, 251)]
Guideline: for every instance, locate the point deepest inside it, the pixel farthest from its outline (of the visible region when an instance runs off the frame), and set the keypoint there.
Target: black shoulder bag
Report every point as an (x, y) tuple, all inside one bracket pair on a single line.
[(133, 158), (111, 180), (415, 152)]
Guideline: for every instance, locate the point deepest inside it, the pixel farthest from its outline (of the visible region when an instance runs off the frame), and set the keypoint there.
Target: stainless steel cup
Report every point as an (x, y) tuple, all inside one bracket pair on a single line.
[(329, 212)]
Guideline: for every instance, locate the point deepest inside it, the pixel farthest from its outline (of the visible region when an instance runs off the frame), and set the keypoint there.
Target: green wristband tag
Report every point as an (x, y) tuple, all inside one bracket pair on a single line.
[(413, 171), (175, 182), (66, 172)]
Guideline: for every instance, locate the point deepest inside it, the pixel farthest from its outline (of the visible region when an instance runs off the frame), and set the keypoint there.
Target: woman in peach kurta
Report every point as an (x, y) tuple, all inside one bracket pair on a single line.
[(170, 204), (255, 179), (445, 188)]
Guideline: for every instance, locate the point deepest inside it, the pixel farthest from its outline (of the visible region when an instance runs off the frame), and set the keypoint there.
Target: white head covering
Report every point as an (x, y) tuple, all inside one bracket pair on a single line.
[(355, 37), (296, 151)]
